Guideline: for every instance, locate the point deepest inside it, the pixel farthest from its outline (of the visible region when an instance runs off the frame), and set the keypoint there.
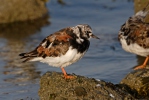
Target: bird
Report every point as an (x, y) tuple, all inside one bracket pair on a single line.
[(62, 48), (134, 35)]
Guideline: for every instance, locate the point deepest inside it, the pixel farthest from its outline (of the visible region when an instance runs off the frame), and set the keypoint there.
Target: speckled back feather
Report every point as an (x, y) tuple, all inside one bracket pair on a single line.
[(135, 30)]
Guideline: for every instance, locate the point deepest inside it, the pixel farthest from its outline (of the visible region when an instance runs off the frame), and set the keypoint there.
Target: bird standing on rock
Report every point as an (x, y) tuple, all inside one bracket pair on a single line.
[(134, 35), (62, 48)]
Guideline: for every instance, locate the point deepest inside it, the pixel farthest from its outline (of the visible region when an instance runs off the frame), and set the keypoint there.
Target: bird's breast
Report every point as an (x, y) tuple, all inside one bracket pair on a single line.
[(134, 48)]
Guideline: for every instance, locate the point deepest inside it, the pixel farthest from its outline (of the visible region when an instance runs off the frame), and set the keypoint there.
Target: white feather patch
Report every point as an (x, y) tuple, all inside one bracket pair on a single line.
[(44, 43), (134, 48)]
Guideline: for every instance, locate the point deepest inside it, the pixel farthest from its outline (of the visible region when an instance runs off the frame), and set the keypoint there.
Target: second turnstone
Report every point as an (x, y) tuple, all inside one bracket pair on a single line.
[(62, 48), (134, 35)]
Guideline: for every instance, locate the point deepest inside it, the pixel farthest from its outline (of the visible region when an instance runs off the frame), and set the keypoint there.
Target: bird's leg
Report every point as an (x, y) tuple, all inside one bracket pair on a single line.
[(144, 64), (65, 74)]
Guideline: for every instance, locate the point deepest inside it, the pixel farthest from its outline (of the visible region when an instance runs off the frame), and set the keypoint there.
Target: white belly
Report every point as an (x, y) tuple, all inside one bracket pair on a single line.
[(70, 57), (134, 48)]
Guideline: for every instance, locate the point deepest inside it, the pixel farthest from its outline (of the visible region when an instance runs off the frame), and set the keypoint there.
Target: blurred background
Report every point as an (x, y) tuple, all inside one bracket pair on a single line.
[(24, 26)]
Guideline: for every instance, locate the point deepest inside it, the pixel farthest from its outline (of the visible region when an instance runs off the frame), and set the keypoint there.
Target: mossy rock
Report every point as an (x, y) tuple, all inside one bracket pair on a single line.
[(138, 82), (54, 87)]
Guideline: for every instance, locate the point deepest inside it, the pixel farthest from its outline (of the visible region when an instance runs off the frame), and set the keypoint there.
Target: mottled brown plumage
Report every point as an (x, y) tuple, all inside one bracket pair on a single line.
[(59, 45), (134, 35), (138, 33), (63, 47)]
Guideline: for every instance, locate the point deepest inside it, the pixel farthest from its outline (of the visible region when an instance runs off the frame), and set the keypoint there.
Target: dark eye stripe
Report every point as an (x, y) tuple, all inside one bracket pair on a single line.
[(81, 33), (88, 33), (80, 30)]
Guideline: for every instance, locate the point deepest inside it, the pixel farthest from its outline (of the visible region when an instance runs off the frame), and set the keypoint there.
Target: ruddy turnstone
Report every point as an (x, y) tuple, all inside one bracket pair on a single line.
[(134, 35), (62, 48)]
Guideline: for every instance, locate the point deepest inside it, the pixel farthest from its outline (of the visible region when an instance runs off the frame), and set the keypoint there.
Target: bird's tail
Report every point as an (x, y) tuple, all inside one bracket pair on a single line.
[(143, 13), (28, 56)]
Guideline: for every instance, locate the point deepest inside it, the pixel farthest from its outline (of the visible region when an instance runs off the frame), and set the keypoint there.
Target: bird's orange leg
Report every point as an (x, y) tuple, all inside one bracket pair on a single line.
[(144, 64), (65, 74)]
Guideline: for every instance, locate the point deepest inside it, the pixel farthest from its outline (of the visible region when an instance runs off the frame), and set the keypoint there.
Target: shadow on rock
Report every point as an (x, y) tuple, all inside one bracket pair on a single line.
[(138, 82), (20, 30)]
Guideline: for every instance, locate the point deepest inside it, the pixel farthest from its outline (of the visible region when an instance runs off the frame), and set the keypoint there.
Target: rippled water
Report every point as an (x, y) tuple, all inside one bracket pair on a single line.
[(104, 60)]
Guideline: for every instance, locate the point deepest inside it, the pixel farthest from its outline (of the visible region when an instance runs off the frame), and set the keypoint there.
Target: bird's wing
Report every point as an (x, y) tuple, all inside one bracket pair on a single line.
[(54, 45), (140, 35)]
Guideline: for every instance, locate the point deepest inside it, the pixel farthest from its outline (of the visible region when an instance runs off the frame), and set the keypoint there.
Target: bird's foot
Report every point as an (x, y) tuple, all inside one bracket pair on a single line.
[(69, 77), (140, 67)]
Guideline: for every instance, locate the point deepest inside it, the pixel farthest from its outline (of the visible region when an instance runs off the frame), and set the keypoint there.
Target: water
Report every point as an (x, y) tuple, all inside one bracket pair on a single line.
[(104, 60)]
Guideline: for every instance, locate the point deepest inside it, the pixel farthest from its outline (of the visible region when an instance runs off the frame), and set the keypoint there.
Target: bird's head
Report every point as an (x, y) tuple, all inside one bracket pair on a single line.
[(83, 31)]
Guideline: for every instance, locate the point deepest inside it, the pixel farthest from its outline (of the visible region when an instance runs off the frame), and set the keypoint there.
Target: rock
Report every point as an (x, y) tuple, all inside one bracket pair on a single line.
[(21, 10), (138, 82), (54, 87)]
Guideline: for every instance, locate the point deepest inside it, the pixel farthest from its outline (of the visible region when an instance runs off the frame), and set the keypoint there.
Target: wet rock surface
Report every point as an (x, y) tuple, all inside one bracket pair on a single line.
[(21, 10), (138, 81), (54, 87)]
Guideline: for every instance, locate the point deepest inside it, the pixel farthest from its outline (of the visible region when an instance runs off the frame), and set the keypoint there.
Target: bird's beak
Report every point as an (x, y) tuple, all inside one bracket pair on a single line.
[(93, 36)]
